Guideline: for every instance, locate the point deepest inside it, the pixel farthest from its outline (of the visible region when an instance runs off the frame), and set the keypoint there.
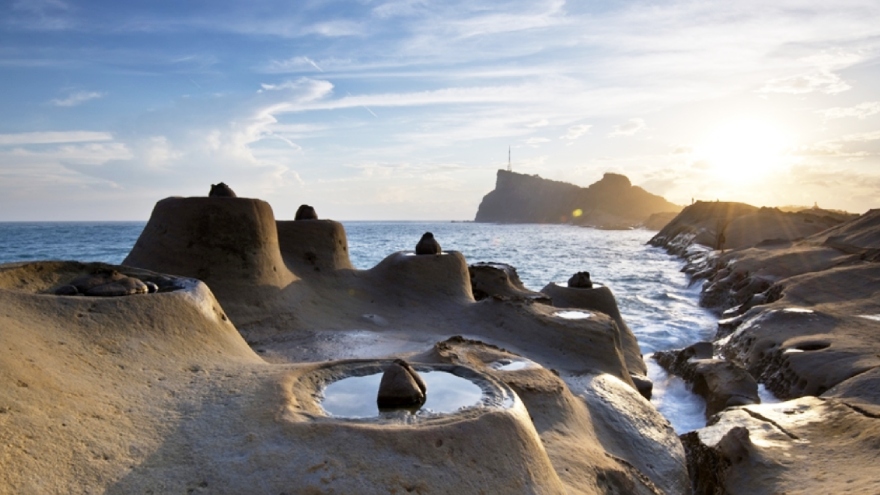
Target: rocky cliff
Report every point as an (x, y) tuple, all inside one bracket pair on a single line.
[(612, 202)]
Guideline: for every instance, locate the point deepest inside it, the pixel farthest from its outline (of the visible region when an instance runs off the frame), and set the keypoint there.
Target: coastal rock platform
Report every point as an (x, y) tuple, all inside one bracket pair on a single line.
[(214, 383), (801, 312)]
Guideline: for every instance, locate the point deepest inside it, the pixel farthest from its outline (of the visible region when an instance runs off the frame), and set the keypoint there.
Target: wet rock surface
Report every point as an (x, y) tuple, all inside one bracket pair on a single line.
[(401, 386), (800, 314), (808, 445), (721, 383)]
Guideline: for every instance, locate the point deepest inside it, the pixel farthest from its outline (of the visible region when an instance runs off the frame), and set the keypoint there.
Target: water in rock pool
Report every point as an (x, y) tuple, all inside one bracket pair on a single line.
[(355, 396), (652, 293)]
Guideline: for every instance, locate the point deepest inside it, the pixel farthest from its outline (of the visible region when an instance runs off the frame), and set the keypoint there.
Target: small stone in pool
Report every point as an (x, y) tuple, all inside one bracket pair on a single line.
[(401, 386)]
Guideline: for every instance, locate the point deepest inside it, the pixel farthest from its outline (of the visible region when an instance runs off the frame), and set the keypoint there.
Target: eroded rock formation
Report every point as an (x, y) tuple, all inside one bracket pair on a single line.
[(216, 385), (800, 313)]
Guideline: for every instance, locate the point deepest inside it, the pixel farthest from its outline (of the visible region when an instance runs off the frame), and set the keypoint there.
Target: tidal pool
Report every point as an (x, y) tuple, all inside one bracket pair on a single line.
[(572, 315), (355, 396)]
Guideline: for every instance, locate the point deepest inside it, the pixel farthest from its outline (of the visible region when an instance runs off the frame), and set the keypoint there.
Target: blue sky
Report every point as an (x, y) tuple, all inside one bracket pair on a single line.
[(405, 109)]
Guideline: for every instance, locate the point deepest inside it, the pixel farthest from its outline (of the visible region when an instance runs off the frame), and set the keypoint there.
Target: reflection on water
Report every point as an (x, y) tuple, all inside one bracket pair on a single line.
[(355, 396), (514, 364), (572, 315)]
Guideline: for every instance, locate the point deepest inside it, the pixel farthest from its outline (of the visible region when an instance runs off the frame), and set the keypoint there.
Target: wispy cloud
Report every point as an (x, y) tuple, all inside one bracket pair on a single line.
[(576, 131), (50, 137), (860, 111), (631, 127), (77, 98), (821, 81)]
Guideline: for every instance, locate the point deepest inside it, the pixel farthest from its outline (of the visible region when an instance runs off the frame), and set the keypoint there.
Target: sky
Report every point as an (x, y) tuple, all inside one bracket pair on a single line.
[(405, 109)]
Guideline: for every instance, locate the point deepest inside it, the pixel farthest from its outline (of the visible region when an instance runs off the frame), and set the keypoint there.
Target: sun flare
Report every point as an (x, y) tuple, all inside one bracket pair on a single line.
[(743, 150)]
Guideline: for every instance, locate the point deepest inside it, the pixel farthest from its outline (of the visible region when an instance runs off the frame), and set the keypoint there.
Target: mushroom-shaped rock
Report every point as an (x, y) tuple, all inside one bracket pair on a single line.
[(312, 247), (401, 386), (221, 190), (305, 212), (226, 242), (428, 245), (580, 280), (600, 298)]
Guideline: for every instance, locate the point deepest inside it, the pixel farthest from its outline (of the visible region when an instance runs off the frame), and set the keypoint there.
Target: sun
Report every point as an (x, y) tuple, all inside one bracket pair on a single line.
[(744, 150)]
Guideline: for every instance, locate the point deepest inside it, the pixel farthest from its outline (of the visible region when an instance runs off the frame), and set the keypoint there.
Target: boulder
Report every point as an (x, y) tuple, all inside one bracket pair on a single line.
[(305, 212), (500, 280), (401, 387), (428, 245), (580, 280), (221, 190)]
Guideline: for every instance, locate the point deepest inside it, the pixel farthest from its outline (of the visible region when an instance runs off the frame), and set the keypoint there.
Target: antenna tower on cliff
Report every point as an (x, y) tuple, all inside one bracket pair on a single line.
[(509, 168)]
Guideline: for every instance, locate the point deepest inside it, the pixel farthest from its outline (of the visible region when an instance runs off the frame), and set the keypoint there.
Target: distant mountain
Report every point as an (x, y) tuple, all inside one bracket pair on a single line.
[(612, 203)]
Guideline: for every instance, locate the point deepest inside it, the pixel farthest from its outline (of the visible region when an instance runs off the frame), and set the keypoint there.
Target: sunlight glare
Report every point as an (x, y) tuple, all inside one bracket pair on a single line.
[(744, 150)]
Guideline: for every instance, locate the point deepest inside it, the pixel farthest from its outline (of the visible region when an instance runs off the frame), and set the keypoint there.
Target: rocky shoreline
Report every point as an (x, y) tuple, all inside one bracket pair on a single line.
[(799, 300), (203, 364), (214, 382)]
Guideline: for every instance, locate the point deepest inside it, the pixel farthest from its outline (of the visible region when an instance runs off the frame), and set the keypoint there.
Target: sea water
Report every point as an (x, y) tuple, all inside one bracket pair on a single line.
[(654, 297)]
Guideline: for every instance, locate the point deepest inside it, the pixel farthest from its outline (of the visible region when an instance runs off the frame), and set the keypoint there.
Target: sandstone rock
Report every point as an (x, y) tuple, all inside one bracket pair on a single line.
[(227, 242), (221, 190), (500, 280), (721, 383), (401, 387), (123, 287), (313, 248), (643, 384), (600, 299), (580, 280), (726, 225), (67, 290), (428, 245), (306, 212), (808, 445)]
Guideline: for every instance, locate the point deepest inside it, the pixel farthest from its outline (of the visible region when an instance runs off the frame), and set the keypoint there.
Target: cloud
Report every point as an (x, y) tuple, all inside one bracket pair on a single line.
[(822, 81), (631, 127), (77, 98), (39, 6), (576, 131), (535, 141), (26, 138), (294, 64), (839, 147), (860, 111), (306, 89)]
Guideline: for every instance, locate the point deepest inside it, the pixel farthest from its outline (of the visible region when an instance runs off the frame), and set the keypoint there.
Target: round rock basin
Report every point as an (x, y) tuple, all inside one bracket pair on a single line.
[(351, 393)]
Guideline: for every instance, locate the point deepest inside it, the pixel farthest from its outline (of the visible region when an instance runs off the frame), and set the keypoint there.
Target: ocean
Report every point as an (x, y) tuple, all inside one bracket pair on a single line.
[(655, 298)]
